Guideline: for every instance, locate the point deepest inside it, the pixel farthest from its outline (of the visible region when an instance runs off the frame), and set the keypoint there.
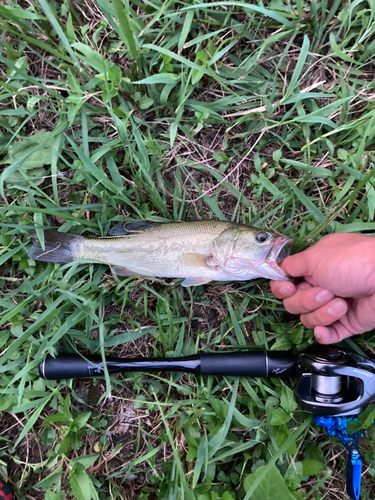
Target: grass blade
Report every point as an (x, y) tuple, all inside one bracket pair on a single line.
[(51, 15), (125, 30), (253, 8), (298, 69)]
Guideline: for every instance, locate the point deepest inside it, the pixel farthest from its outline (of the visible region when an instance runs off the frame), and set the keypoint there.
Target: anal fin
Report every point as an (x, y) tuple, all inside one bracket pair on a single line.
[(195, 281), (124, 271)]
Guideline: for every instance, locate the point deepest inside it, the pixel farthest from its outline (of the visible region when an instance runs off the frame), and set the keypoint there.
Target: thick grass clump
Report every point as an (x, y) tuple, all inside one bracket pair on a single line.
[(110, 111)]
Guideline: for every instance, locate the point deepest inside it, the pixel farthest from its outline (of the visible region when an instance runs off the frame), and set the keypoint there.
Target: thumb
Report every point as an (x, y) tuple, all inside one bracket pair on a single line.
[(297, 265), (361, 314)]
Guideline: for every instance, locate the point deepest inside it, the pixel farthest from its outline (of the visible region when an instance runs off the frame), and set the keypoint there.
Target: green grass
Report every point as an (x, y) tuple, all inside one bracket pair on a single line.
[(173, 111)]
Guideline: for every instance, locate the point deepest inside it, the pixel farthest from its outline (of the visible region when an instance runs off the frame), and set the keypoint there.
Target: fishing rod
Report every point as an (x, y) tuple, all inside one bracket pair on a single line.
[(333, 383), (235, 364)]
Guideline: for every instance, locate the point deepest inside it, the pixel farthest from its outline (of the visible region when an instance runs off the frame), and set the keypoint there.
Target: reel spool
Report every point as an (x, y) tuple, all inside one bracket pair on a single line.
[(334, 381)]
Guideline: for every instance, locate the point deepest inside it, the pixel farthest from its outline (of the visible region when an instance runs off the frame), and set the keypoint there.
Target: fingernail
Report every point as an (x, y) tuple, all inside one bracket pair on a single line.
[(317, 335), (324, 296), (320, 334), (337, 308), (286, 289)]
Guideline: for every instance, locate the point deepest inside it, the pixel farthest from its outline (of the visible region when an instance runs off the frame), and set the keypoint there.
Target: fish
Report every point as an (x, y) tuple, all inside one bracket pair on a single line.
[(199, 251)]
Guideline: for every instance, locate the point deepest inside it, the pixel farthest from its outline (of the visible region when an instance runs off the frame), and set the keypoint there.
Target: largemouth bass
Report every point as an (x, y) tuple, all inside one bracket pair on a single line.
[(199, 251)]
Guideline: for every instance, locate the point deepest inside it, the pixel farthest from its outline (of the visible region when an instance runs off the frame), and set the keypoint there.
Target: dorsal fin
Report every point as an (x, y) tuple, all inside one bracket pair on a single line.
[(132, 227)]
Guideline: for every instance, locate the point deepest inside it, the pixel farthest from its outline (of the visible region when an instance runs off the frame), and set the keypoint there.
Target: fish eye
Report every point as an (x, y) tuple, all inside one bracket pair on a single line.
[(262, 237)]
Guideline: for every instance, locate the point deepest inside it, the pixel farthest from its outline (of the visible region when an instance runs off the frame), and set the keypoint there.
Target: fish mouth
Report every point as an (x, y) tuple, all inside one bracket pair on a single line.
[(283, 250), (279, 251)]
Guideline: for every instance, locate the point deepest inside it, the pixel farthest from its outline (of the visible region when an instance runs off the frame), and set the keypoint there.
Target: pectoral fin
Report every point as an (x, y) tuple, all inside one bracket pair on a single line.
[(195, 281), (124, 271), (194, 259)]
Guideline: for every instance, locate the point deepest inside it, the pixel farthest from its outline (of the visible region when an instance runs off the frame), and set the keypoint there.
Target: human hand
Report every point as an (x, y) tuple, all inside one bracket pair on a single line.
[(337, 295)]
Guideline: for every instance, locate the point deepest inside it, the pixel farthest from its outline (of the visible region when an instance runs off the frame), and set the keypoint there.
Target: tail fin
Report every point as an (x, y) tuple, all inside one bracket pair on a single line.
[(59, 247)]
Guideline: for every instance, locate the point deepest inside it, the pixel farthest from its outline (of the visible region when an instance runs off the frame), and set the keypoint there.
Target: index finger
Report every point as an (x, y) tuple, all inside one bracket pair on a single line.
[(282, 289)]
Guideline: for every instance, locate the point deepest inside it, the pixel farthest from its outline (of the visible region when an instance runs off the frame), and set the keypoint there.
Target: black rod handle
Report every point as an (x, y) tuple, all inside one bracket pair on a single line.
[(250, 364), (70, 366)]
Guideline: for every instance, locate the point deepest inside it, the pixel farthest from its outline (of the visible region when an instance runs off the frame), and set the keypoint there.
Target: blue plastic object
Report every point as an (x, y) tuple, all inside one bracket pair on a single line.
[(337, 426)]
